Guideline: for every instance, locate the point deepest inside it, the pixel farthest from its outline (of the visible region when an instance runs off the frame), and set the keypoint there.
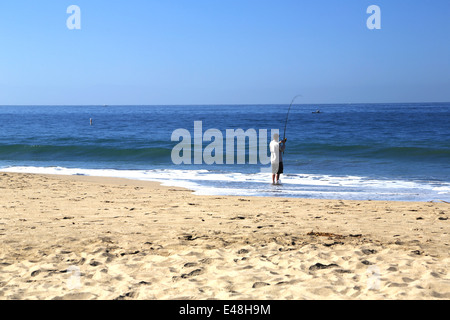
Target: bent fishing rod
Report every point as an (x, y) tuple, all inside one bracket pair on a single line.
[(287, 116)]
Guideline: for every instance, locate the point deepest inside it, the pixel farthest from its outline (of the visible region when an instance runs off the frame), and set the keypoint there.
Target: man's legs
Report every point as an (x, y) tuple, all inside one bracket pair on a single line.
[(275, 168), (280, 171)]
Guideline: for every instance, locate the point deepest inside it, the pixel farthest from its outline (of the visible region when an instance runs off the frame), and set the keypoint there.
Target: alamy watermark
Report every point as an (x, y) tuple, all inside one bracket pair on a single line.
[(73, 22), (374, 21), (74, 280), (231, 149), (373, 278)]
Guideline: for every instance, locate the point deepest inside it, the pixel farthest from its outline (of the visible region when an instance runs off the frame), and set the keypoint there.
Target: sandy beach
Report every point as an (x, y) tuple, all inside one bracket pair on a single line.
[(78, 237)]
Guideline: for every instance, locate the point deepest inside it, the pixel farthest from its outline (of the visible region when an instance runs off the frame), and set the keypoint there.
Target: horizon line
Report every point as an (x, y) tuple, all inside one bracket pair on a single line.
[(205, 104)]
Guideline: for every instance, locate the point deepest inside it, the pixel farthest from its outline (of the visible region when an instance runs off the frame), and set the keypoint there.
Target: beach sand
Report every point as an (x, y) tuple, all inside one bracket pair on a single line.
[(77, 237)]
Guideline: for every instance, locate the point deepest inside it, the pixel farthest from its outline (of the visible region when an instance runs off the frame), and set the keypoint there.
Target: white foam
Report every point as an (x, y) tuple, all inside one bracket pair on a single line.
[(204, 182), (442, 190)]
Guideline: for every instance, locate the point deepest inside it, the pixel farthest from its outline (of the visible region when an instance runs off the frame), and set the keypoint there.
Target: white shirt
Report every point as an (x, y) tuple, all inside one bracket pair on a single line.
[(275, 151)]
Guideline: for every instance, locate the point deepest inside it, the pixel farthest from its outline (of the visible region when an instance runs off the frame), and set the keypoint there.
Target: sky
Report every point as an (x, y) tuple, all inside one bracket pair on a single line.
[(165, 52)]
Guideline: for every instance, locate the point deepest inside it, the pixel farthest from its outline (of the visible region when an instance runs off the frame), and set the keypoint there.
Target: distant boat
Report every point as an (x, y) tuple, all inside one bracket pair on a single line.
[(317, 111)]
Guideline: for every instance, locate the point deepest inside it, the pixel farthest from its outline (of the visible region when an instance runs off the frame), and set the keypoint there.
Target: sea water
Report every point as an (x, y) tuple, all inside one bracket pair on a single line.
[(352, 151)]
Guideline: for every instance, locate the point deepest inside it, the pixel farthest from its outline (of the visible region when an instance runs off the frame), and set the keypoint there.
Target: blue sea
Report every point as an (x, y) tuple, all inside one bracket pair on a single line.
[(348, 151)]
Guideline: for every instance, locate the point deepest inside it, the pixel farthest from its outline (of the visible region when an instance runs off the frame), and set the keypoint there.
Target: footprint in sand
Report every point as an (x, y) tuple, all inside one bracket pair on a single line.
[(257, 285), (194, 273), (190, 265), (319, 266)]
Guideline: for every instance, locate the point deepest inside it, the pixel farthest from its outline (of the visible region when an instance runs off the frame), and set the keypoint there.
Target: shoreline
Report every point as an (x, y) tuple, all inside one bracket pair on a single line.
[(295, 186), (158, 184), (136, 239)]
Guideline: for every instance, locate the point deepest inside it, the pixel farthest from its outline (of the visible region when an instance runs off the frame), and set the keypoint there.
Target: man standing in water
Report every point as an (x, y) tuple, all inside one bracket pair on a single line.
[(276, 149)]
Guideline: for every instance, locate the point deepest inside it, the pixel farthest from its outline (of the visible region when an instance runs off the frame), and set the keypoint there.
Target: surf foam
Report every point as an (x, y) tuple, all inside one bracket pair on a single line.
[(204, 182)]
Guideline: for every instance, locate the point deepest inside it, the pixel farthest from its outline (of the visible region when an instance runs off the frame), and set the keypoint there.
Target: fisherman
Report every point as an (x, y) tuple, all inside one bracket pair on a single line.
[(276, 149)]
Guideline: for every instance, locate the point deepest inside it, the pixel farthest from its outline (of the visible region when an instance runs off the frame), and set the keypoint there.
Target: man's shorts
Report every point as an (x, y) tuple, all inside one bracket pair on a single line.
[(277, 168), (280, 168)]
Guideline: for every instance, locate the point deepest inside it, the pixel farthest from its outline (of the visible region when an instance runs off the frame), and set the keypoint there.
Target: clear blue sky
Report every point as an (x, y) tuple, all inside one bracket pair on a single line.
[(223, 51)]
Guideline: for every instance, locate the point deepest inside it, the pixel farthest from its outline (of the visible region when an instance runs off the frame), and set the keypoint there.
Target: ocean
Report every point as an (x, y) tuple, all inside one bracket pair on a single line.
[(397, 152)]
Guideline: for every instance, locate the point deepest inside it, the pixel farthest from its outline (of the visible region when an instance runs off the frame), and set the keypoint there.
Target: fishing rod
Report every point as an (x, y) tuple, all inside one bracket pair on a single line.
[(287, 116)]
